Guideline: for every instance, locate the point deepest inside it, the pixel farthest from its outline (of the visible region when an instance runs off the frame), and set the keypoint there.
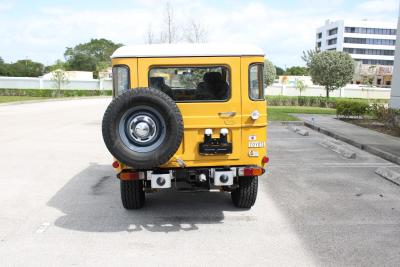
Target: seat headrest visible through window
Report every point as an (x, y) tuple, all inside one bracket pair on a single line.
[(212, 77), (157, 82)]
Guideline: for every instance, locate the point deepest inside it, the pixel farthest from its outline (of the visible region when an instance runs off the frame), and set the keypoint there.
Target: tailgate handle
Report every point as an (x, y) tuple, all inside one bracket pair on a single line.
[(227, 114)]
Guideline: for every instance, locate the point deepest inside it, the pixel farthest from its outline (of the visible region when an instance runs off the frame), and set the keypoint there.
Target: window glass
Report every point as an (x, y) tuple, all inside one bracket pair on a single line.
[(209, 83), (120, 75), (256, 82)]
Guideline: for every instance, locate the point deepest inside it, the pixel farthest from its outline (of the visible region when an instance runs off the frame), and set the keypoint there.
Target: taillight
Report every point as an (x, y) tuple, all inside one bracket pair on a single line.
[(253, 171), (128, 176)]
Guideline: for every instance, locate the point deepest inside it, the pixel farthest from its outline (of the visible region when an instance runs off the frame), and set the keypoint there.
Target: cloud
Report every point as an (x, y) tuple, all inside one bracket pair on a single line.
[(6, 5), (378, 6), (283, 32)]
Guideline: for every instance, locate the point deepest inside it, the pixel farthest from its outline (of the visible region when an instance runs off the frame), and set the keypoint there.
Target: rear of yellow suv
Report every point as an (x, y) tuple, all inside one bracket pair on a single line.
[(191, 118)]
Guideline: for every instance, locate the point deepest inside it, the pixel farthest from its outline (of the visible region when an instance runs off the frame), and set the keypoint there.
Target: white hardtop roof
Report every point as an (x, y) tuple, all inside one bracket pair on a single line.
[(187, 50)]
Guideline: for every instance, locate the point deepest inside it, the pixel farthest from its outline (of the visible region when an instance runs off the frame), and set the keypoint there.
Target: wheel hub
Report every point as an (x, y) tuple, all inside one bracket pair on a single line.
[(142, 128)]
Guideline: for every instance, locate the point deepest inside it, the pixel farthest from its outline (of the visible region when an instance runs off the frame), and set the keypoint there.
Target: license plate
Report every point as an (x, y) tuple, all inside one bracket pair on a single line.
[(256, 144)]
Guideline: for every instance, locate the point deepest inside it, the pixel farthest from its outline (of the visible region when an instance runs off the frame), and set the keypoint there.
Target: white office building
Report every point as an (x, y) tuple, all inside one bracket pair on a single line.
[(368, 42)]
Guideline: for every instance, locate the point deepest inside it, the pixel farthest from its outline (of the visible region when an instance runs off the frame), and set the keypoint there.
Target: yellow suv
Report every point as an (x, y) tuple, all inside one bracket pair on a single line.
[(189, 117)]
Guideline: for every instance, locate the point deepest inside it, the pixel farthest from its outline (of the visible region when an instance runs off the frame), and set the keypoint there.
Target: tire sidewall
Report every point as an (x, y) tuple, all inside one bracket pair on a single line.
[(170, 113)]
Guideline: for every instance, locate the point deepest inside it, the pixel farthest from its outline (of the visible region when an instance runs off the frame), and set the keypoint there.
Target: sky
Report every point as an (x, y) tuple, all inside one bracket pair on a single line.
[(42, 29)]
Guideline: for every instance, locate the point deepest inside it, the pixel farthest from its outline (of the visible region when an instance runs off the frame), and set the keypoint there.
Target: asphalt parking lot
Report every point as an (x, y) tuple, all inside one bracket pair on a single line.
[(60, 203)]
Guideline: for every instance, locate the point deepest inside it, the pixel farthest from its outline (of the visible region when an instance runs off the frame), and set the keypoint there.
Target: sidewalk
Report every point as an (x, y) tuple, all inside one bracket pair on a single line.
[(382, 145)]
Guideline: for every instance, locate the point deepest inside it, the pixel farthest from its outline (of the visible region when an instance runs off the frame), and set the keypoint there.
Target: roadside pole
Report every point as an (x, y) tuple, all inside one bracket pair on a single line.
[(395, 94)]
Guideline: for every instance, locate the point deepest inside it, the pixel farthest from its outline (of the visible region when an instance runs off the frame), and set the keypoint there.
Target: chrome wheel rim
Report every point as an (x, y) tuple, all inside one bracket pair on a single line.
[(142, 129)]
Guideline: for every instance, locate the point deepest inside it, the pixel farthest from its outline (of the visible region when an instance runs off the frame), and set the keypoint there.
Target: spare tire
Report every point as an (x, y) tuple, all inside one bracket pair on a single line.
[(142, 128)]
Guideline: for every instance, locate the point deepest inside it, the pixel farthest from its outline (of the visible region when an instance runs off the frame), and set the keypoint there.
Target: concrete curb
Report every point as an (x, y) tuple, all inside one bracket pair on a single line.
[(286, 123), (299, 131), (370, 149), (389, 175), (338, 148), (51, 100)]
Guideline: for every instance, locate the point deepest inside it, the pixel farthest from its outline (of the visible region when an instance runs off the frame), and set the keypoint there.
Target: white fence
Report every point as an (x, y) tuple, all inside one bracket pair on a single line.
[(40, 83), (351, 91)]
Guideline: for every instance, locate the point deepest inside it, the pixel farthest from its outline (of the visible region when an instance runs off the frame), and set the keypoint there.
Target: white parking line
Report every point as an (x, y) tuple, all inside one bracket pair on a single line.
[(42, 228)]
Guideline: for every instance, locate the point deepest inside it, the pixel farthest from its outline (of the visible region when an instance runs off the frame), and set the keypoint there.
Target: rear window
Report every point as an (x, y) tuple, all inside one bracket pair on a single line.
[(256, 82), (203, 83)]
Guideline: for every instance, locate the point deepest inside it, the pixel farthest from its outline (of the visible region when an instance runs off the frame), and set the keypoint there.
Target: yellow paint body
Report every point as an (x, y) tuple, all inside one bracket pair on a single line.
[(198, 116)]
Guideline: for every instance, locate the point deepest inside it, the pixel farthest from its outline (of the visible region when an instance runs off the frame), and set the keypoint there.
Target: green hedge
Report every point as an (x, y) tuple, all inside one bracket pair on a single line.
[(313, 101), (53, 92), (354, 108)]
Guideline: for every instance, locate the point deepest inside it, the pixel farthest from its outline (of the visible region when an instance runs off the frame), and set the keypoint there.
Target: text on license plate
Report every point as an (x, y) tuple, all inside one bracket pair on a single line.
[(257, 144)]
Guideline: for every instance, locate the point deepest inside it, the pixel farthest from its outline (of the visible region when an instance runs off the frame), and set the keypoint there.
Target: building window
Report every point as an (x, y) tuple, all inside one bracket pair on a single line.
[(319, 35), (370, 30), (332, 41), (377, 62), (332, 31), (318, 44), (362, 51), (351, 40)]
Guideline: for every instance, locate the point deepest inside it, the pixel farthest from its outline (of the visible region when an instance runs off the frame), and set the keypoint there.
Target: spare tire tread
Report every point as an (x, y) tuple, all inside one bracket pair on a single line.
[(168, 109)]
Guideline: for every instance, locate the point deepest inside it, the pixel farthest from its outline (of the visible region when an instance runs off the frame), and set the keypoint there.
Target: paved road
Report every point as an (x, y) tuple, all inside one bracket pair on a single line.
[(60, 203)]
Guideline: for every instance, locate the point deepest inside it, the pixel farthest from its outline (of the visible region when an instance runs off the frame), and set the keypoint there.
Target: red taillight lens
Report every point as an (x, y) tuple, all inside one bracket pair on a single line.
[(265, 160), (115, 164), (127, 176), (253, 171)]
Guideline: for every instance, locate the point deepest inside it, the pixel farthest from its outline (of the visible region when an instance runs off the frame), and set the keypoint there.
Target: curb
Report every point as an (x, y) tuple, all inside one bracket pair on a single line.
[(286, 123), (339, 148), (370, 149), (51, 100), (389, 175)]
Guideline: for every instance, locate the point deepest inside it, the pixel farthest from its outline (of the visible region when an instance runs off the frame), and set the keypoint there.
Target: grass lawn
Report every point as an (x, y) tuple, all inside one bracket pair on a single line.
[(5, 99), (281, 113)]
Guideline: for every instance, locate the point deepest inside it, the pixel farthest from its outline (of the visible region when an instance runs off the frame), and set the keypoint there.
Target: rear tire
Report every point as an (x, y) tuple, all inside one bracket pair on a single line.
[(246, 194), (132, 194)]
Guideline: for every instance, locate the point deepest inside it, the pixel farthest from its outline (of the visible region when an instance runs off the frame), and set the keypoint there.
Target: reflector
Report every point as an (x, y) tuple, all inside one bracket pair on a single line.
[(115, 164)]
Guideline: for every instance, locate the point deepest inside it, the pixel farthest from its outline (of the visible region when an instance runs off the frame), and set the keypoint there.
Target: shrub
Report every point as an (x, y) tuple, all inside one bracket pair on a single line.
[(53, 92), (351, 108), (312, 101), (389, 116)]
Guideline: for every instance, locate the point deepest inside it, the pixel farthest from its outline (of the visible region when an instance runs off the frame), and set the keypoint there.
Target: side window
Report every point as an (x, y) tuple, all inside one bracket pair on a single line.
[(183, 84), (256, 82), (120, 76)]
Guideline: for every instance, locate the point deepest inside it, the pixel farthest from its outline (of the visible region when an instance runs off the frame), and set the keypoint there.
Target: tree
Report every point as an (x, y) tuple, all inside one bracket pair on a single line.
[(149, 35), (3, 67), (331, 69), (269, 72), (308, 55), (90, 56), (59, 76), (279, 71), (25, 68), (300, 85), (169, 35), (297, 71), (195, 33)]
